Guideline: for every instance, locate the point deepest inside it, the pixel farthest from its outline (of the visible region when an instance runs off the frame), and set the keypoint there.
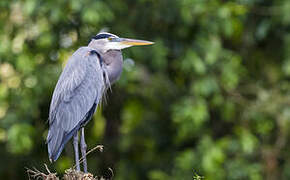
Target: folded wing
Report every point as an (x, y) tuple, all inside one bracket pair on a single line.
[(76, 96)]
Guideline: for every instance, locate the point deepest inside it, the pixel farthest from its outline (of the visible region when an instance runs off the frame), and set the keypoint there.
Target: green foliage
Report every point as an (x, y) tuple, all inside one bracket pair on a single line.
[(19, 138), (212, 94)]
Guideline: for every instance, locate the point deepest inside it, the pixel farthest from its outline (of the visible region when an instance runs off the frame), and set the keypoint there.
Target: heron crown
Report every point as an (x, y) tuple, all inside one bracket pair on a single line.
[(104, 35)]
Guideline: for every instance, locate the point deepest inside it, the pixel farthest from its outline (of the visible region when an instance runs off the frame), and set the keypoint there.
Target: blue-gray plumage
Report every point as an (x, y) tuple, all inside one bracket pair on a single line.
[(89, 72), (79, 87)]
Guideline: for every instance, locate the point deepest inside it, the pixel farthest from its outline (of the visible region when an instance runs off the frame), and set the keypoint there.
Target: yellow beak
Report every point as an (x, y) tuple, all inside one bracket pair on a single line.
[(135, 42)]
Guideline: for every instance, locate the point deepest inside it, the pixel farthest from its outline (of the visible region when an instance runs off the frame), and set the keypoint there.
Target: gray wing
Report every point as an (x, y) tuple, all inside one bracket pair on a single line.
[(79, 88)]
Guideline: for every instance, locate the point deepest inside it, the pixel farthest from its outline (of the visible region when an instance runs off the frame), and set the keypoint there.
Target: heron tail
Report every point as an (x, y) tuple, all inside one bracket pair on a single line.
[(56, 143), (57, 139)]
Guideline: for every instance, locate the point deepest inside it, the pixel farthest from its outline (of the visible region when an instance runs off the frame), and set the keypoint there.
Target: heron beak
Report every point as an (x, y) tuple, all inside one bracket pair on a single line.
[(135, 42), (122, 43)]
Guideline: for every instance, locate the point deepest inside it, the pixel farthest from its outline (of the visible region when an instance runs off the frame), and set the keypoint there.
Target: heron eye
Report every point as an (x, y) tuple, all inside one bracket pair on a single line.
[(109, 38)]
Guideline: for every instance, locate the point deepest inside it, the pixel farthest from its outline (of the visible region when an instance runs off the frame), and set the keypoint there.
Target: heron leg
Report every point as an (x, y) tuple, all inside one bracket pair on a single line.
[(84, 150), (76, 148)]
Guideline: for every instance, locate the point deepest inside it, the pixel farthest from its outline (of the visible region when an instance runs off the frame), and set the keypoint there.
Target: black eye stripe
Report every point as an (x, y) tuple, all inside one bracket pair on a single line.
[(101, 36)]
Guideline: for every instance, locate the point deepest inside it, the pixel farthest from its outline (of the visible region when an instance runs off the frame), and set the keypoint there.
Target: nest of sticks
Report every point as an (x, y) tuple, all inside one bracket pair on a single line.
[(70, 174)]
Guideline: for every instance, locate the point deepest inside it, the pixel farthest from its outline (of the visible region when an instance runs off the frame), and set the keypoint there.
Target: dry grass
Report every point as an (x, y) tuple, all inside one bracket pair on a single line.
[(70, 174)]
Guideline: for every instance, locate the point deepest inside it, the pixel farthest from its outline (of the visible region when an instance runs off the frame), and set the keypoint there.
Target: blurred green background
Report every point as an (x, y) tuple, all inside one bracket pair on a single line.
[(212, 95)]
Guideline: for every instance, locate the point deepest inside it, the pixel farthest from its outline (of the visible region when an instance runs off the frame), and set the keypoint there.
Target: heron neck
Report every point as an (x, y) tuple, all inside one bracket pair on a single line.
[(113, 60), (98, 46)]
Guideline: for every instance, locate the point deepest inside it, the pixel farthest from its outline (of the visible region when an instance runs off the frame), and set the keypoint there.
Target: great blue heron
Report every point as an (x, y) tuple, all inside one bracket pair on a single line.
[(89, 72)]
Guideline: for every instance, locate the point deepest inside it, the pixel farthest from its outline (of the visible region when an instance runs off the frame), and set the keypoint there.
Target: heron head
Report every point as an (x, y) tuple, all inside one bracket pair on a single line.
[(106, 41)]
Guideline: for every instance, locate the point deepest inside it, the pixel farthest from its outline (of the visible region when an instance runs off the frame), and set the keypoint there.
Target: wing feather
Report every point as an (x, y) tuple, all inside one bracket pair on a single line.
[(80, 85)]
